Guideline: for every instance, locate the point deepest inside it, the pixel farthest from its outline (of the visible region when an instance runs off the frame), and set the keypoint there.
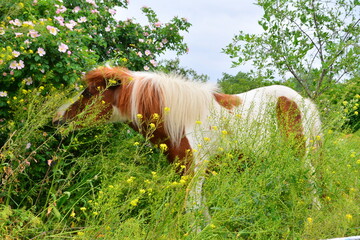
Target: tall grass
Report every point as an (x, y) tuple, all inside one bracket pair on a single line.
[(107, 182)]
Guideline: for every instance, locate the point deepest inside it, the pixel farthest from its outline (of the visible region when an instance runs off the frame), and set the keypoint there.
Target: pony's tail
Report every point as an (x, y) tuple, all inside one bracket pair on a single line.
[(312, 123)]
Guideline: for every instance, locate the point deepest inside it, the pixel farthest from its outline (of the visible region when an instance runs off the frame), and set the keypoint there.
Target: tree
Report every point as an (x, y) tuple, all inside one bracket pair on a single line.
[(173, 66), (49, 44), (317, 41), (241, 82)]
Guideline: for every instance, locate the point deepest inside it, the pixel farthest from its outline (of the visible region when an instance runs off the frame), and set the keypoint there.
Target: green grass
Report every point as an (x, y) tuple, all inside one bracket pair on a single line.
[(107, 182)]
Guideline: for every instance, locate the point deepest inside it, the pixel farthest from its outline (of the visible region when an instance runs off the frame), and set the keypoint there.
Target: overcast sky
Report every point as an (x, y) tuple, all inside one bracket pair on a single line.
[(214, 23)]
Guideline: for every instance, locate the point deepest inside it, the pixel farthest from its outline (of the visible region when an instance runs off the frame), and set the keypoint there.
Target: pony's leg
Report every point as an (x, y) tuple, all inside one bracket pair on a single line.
[(195, 202), (291, 125), (316, 202)]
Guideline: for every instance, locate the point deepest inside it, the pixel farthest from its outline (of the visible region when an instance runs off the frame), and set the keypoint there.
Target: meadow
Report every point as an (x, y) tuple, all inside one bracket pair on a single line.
[(105, 181)]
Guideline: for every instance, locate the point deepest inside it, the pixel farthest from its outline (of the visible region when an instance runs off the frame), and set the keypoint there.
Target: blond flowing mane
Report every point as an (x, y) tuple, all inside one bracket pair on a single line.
[(185, 101)]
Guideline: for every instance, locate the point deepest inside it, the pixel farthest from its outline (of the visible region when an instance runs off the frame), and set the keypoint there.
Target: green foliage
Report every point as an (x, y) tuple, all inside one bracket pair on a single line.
[(347, 95), (49, 44), (173, 66), (315, 41), (242, 82)]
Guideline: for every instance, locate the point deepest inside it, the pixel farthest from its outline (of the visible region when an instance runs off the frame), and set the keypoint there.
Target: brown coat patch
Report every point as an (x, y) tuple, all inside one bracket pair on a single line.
[(227, 101), (181, 153), (98, 77), (121, 99), (289, 121), (149, 100)]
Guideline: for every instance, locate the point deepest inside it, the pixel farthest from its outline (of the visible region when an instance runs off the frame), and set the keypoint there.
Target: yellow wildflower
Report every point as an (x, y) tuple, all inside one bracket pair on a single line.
[(198, 122), (139, 116), (72, 214), (152, 126), (130, 179), (134, 202), (155, 116), (166, 109), (83, 208), (348, 216), (163, 147), (224, 132), (309, 220), (111, 81)]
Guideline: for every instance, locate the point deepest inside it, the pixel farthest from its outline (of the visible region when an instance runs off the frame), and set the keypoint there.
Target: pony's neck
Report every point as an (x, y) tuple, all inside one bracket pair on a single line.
[(178, 101)]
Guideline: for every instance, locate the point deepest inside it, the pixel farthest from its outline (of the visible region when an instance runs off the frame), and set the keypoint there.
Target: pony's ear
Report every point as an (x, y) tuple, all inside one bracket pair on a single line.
[(107, 76)]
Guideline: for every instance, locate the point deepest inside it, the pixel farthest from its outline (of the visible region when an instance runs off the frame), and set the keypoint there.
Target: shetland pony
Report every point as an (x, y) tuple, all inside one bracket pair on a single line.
[(193, 118)]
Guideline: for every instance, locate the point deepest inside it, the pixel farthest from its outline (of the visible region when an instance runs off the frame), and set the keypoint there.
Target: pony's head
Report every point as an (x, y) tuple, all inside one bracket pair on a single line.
[(104, 88)]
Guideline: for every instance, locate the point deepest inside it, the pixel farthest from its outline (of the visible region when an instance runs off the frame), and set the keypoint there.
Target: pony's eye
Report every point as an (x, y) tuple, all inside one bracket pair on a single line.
[(86, 93)]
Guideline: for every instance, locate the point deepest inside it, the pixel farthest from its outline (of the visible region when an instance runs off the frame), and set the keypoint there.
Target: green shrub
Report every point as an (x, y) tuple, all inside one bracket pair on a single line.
[(49, 44)]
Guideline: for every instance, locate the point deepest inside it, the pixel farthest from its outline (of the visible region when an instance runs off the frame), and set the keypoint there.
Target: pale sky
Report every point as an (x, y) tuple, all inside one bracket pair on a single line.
[(214, 23)]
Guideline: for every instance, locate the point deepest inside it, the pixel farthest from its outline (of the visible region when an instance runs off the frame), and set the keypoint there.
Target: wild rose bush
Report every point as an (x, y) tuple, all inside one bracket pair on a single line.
[(49, 44)]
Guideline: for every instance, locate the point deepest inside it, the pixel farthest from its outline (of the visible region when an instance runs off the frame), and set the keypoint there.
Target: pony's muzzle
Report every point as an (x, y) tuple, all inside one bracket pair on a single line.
[(57, 122), (58, 119)]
